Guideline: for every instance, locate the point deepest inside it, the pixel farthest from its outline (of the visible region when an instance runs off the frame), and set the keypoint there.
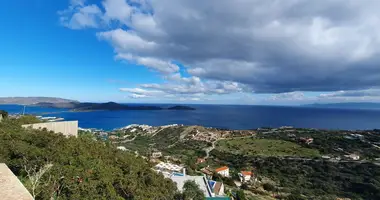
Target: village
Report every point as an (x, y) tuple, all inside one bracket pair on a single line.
[(213, 178)]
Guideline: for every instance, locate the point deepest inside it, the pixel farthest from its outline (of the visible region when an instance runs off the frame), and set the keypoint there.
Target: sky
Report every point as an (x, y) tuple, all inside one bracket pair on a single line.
[(268, 52)]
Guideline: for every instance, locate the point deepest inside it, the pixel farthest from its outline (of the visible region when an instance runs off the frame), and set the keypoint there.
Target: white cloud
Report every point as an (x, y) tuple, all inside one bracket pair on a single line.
[(289, 96), (77, 2), (78, 16), (118, 10), (127, 41), (246, 46), (164, 67), (137, 96)]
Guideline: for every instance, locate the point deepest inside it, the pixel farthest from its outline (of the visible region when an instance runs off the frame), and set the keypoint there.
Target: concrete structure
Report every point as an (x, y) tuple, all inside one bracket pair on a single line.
[(210, 188), (67, 128), (201, 181), (10, 187), (224, 171), (1, 117)]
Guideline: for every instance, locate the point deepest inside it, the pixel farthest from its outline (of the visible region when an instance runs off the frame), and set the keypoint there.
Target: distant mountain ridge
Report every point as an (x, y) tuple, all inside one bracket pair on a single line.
[(51, 102), (111, 106), (348, 105), (34, 100)]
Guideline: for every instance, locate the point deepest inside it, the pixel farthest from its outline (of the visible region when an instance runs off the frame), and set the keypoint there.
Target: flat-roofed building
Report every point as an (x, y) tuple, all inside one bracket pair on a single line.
[(67, 128), (11, 187)]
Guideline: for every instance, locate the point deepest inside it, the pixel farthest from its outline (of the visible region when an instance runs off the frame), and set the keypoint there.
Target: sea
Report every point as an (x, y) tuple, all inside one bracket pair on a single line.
[(219, 116)]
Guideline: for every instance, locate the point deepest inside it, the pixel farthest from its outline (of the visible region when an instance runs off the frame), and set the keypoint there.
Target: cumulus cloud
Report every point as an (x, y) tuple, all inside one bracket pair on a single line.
[(252, 46), (288, 96), (79, 16), (137, 96)]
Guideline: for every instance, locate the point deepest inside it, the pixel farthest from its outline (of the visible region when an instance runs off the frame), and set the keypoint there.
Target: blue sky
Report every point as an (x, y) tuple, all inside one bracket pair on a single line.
[(183, 51)]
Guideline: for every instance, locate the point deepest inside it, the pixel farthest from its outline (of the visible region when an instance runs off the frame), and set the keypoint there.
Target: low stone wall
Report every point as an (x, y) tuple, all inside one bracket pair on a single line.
[(67, 128), (11, 187)]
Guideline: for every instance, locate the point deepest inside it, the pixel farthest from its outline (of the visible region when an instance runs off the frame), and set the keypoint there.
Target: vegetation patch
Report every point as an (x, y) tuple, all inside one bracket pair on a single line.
[(264, 147)]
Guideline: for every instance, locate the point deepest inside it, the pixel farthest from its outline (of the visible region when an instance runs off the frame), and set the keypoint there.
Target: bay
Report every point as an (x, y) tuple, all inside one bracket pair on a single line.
[(220, 116)]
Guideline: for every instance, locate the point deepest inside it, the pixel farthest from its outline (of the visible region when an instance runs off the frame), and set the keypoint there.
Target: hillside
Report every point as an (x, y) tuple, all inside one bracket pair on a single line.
[(280, 158), (77, 168)]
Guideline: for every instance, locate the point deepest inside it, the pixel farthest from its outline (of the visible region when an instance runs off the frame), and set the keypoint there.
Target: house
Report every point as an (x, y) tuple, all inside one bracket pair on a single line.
[(113, 137), (326, 157), (245, 176), (157, 154), (122, 148), (353, 156), (201, 160), (307, 140), (167, 169), (11, 186), (224, 171), (207, 172)]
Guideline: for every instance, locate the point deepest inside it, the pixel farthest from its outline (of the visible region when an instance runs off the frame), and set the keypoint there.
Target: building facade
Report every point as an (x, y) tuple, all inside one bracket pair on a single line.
[(67, 128), (224, 171)]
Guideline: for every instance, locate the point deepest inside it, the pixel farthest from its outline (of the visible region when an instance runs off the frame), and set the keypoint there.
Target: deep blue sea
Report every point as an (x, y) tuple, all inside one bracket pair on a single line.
[(221, 116)]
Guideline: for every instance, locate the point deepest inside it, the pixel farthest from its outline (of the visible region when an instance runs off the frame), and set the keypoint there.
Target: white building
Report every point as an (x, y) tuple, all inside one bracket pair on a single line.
[(224, 171), (157, 154), (167, 169), (67, 128), (245, 176), (353, 156), (122, 148)]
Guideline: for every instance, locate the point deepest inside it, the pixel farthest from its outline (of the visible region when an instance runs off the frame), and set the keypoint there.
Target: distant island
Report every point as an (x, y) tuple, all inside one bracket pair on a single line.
[(76, 106), (348, 105), (181, 108)]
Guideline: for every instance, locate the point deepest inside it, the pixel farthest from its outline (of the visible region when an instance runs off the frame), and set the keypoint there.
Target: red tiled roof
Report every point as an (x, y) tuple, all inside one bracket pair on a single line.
[(246, 173), (221, 169)]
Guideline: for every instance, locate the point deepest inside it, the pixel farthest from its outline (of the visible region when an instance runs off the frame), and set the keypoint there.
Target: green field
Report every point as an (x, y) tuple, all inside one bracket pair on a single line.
[(264, 147)]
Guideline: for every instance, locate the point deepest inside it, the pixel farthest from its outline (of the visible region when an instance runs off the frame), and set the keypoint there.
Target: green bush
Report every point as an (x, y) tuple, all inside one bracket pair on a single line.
[(80, 168)]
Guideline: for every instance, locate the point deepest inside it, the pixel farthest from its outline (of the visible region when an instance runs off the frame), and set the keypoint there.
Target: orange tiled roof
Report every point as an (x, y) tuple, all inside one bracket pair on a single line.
[(246, 173), (221, 169)]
